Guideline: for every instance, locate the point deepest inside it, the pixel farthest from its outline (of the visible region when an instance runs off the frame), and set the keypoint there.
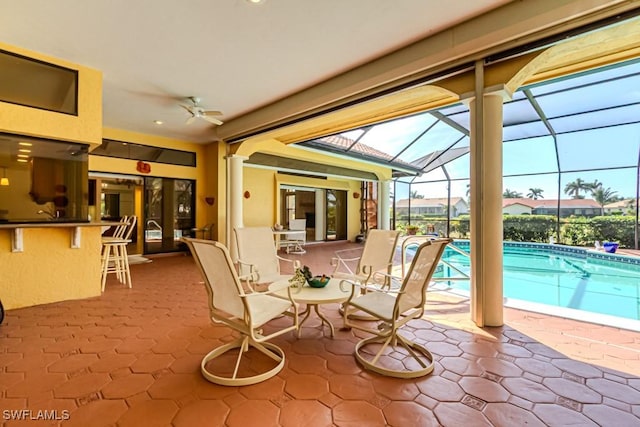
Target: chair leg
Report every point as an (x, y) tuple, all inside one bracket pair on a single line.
[(105, 265), (417, 352), (126, 272), (243, 344)]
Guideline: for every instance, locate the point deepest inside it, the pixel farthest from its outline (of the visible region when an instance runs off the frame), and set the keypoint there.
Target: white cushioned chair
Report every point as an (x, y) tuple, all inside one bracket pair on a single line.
[(393, 309), (258, 259), (377, 257), (246, 313)]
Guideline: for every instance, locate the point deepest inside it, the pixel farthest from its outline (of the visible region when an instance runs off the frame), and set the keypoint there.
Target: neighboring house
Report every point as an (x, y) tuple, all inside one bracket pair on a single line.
[(626, 206), (432, 207), (517, 207), (568, 207)]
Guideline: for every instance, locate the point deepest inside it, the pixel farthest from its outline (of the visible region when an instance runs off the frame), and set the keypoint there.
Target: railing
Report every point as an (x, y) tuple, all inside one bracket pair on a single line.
[(416, 241)]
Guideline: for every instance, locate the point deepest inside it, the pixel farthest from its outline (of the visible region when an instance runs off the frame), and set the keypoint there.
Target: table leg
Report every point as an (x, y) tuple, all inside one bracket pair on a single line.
[(306, 313), (324, 319)]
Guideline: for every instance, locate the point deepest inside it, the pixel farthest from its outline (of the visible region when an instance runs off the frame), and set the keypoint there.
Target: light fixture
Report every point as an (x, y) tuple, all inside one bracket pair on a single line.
[(23, 160), (24, 150), (158, 122), (25, 144), (256, 1), (4, 180)]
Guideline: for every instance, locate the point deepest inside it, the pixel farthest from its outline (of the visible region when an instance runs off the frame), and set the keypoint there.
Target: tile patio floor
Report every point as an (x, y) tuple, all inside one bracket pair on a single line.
[(131, 358)]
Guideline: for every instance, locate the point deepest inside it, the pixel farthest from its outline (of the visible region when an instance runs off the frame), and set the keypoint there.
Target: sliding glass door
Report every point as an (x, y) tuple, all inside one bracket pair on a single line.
[(169, 213), (336, 215)]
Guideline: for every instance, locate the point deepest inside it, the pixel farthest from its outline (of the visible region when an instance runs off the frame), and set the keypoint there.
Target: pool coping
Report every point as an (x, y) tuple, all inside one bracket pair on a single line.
[(573, 250), (565, 312), (552, 310)]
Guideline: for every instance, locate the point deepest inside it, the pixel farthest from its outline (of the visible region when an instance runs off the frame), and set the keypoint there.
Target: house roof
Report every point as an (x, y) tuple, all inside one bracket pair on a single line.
[(620, 204), (433, 202)]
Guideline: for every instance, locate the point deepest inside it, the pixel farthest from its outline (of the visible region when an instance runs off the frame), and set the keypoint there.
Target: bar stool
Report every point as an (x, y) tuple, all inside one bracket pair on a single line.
[(115, 258)]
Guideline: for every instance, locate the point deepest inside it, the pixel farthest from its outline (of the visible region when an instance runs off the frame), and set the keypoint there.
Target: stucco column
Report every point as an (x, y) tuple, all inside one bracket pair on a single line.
[(235, 186), (384, 205), (486, 205), (320, 213)]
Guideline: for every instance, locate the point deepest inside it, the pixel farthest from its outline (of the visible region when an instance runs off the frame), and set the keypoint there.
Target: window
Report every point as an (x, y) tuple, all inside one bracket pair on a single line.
[(42, 180), (56, 88)]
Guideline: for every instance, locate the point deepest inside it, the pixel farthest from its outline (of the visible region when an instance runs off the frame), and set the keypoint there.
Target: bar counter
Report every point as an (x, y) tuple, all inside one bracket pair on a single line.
[(49, 261)]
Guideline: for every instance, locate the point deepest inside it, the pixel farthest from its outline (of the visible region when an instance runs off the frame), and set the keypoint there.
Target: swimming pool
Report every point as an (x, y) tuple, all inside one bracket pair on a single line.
[(571, 282)]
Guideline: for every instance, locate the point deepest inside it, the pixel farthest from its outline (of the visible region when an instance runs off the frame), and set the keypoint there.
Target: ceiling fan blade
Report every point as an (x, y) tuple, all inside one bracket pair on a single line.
[(190, 120), (212, 113), (186, 108), (212, 120)]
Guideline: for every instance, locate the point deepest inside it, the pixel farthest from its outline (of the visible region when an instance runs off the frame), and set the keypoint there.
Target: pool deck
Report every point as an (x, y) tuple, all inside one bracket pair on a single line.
[(131, 357), (632, 252)]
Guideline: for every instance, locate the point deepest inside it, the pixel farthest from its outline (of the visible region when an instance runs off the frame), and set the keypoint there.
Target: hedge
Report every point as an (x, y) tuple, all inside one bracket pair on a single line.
[(575, 231)]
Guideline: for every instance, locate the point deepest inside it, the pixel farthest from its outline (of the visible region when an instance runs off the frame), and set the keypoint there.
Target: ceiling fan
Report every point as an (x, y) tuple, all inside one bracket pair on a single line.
[(198, 112)]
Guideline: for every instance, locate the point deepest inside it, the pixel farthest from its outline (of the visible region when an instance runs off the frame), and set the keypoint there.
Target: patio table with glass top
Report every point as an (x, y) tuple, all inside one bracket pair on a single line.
[(313, 297)]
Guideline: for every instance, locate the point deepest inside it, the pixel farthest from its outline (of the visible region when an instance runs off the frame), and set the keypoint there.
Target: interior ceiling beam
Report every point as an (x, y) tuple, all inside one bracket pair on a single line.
[(511, 26)]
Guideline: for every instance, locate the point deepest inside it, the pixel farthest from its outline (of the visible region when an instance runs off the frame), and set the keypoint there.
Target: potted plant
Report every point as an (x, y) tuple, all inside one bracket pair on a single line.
[(412, 230)]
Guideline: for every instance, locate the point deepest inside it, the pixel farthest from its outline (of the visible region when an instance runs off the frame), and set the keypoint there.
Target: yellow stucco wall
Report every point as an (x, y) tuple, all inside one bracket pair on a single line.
[(52, 271), (86, 127), (49, 269), (263, 185), (128, 167), (258, 209)]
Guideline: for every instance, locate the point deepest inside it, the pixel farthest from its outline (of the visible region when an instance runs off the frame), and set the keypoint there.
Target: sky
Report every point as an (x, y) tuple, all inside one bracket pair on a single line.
[(595, 116)]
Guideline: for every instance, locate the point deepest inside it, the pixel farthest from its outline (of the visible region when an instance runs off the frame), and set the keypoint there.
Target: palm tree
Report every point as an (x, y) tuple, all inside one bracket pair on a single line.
[(574, 188), (415, 195), (511, 194), (603, 196), (535, 193)]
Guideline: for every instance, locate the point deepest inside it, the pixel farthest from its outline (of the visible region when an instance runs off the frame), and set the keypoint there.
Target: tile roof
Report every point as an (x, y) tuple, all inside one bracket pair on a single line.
[(426, 202)]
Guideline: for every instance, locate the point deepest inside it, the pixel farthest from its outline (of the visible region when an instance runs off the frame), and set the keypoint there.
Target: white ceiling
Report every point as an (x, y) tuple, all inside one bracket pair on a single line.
[(234, 55)]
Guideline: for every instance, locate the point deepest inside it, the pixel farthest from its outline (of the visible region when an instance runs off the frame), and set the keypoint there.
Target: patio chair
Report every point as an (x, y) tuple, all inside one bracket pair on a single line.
[(245, 313), (295, 242), (377, 257), (393, 309), (207, 230), (258, 259)]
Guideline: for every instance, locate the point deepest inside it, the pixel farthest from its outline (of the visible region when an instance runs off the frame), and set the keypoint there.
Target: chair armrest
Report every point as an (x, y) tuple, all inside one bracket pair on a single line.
[(388, 279), (295, 262), (273, 291), (249, 278), (367, 288)]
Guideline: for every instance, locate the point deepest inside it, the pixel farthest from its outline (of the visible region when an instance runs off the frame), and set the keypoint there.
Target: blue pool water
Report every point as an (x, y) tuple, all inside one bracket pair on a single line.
[(559, 276)]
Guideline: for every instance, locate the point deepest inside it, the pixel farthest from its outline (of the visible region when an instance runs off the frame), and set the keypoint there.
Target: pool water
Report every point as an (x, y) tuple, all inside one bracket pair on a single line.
[(564, 277)]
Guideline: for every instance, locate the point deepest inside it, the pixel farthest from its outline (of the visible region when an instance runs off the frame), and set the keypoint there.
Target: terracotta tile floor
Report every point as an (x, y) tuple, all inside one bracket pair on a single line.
[(131, 358)]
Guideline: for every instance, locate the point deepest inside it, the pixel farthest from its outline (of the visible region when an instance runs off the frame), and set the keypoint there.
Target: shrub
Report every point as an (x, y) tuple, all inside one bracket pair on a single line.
[(577, 232), (528, 228), (614, 228)]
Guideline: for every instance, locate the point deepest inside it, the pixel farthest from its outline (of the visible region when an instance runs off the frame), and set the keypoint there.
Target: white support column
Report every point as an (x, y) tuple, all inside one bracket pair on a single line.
[(486, 204), (384, 204), (235, 186), (320, 213)]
